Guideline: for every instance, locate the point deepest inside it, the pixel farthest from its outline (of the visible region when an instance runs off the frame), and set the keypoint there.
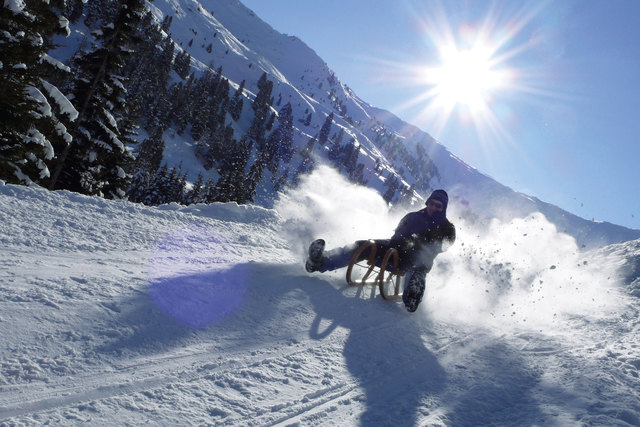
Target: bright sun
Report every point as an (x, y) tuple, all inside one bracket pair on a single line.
[(473, 71), (464, 78)]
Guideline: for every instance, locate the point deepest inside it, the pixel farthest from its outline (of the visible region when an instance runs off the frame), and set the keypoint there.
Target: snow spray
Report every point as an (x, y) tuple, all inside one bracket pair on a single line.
[(325, 205), (520, 274)]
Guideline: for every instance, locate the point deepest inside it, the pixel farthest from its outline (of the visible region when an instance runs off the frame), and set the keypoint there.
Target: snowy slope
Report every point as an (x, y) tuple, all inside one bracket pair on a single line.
[(245, 47), (225, 33), (115, 313)]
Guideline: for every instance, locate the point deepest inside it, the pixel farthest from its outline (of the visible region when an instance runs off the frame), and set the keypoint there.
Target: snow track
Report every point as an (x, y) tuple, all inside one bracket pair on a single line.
[(203, 315), (141, 375)]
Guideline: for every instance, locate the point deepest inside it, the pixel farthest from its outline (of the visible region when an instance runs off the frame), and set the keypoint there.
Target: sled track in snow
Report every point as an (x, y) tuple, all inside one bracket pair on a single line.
[(310, 408), (322, 401), (22, 400)]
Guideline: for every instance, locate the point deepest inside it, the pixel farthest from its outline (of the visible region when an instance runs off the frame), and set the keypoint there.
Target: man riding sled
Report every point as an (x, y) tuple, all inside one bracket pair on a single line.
[(419, 238)]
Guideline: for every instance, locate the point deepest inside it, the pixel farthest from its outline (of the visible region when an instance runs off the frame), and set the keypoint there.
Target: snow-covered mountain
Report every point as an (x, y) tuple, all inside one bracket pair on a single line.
[(226, 33), (114, 313)]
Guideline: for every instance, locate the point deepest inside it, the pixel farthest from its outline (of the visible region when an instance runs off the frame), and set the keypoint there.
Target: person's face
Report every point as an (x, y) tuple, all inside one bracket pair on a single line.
[(434, 207)]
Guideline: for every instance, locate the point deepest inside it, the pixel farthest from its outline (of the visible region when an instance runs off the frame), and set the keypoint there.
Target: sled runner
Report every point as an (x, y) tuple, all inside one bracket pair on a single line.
[(364, 270)]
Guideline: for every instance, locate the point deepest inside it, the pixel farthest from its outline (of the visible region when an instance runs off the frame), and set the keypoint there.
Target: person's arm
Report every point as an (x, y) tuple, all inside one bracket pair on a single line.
[(446, 237), (449, 238), (400, 233)]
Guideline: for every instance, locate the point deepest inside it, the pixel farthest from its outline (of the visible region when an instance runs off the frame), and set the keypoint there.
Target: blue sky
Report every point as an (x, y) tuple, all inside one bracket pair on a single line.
[(561, 118)]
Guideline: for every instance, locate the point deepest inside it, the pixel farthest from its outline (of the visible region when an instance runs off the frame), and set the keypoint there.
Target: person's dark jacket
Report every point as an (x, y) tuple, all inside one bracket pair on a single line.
[(419, 238)]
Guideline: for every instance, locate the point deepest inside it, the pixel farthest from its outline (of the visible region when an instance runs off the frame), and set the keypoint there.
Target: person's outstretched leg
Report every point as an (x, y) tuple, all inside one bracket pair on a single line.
[(319, 260), (337, 258)]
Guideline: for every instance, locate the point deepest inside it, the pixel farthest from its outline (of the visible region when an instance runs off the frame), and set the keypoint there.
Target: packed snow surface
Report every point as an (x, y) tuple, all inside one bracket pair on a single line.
[(116, 313)]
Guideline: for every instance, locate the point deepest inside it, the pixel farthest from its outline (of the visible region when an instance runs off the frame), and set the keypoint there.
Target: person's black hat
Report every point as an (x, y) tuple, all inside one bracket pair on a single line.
[(440, 195)]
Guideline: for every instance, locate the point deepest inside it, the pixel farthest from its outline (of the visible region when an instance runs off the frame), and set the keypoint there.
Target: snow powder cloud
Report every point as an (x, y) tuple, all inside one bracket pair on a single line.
[(520, 274)]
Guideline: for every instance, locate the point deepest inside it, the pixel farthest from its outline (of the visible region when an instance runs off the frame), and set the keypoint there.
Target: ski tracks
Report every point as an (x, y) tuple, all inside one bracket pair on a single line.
[(227, 381), (145, 375), (259, 385)]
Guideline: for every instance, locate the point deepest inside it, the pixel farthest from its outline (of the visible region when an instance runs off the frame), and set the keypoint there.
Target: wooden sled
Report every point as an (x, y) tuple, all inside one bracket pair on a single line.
[(365, 272)]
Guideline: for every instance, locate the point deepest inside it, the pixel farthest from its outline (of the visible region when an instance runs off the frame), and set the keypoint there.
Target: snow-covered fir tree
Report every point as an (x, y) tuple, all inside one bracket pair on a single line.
[(34, 114), (179, 101), (182, 64), (235, 108), (148, 74), (197, 192), (97, 161), (148, 159), (231, 185), (210, 101), (279, 146), (323, 136), (261, 107), (392, 183)]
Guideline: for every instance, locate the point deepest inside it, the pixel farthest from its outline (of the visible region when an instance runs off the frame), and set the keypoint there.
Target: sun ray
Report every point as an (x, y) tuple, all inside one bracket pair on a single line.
[(470, 74), (474, 71)]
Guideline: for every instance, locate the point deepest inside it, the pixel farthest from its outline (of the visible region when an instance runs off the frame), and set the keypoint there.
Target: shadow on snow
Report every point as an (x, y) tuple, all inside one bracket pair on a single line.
[(253, 304)]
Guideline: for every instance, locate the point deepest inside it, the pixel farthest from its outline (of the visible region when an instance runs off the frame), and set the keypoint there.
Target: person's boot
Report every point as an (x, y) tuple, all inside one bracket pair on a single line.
[(314, 261), (413, 292)]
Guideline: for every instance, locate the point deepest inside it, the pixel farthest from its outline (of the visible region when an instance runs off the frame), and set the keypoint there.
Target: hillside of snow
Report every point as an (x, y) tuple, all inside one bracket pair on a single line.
[(245, 47), (224, 33), (120, 314)]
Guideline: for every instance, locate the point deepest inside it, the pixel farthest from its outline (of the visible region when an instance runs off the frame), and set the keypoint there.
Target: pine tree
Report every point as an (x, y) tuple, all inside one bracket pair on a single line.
[(209, 191), (197, 191), (269, 125), (150, 153), (279, 146), (148, 74), (253, 178), (357, 175), (281, 181), (207, 149), (146, 165), (140, 184), (237, 102), (73, 10), (176, 186), (34, 115), (167, 186), (392, 183), (179, 111), (208, 124), (182, 64), (223, 101), (166, 23), (325, 129), (261, 107), (231, 185), (96, 162), (210, 104), (336, 147), (157, 190), (100, 12), (350, 158)]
